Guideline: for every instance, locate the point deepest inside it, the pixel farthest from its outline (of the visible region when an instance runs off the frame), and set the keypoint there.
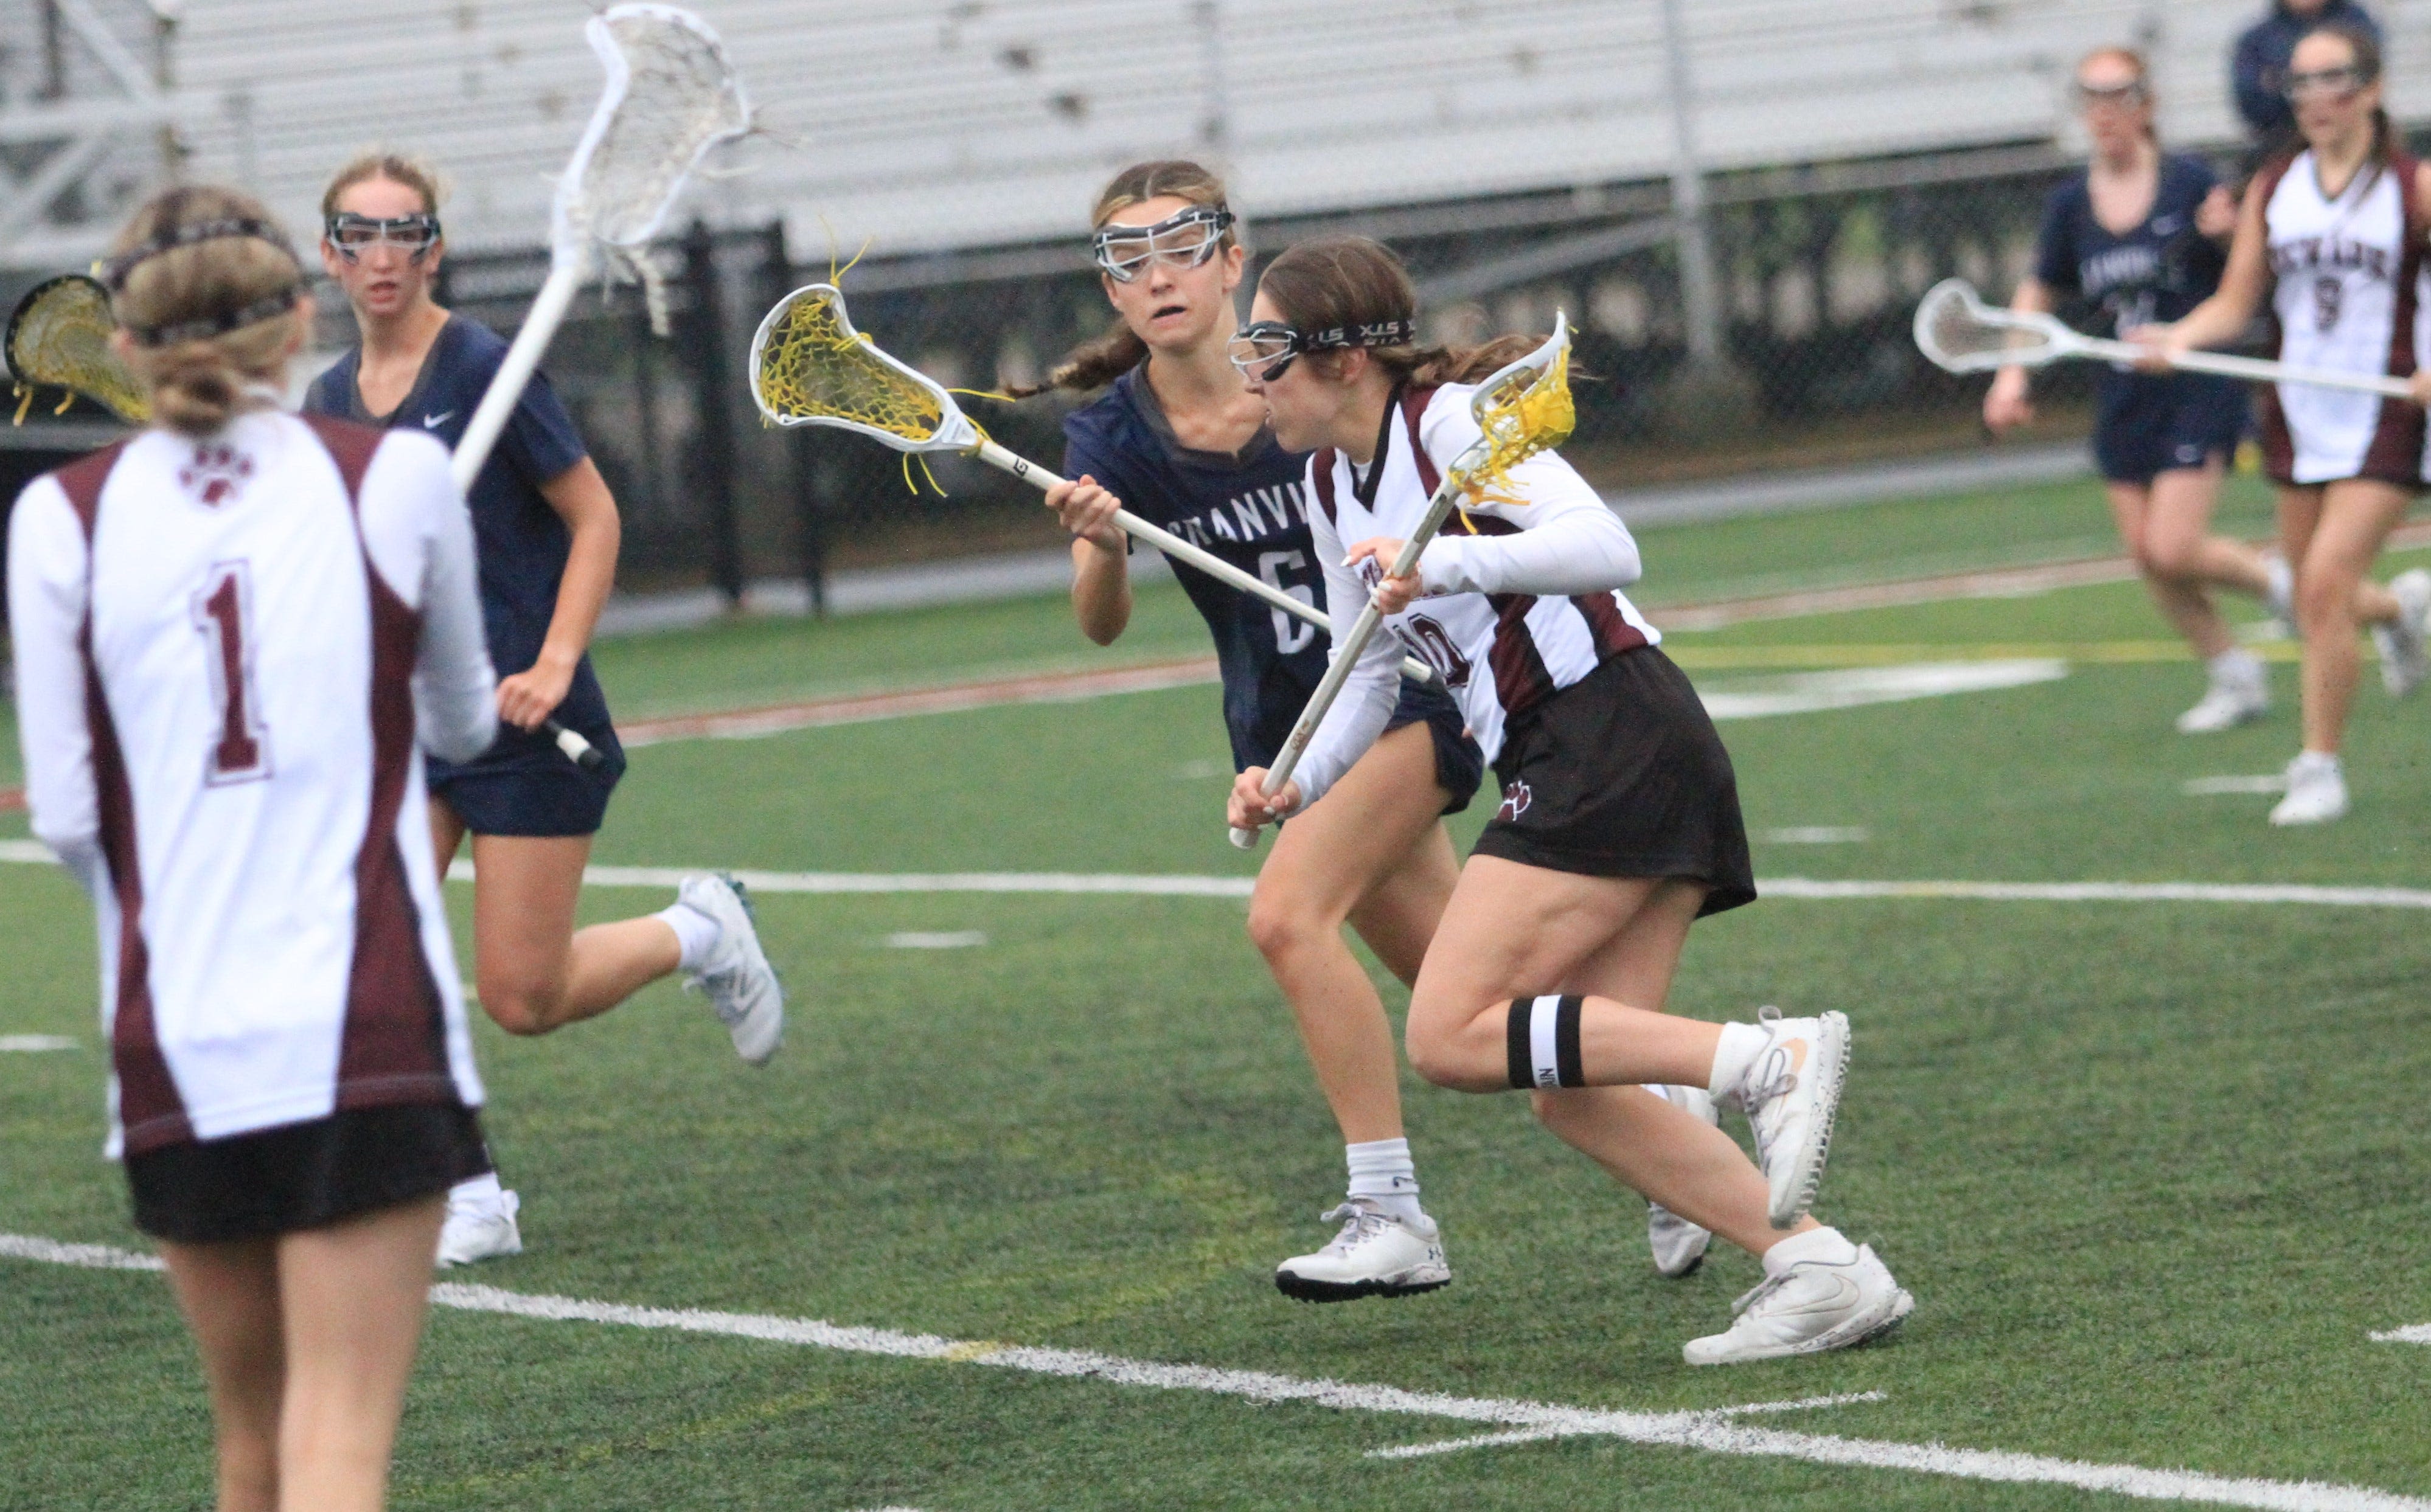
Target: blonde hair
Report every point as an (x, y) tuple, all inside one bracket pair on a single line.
[(174, 294), (1096, 363), (2135, 63), (378, 162)]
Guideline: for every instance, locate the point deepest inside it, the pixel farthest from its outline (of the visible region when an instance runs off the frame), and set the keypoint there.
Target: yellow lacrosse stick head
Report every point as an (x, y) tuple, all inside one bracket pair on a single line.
[(1522, 410), (810, 367), (59, 337)]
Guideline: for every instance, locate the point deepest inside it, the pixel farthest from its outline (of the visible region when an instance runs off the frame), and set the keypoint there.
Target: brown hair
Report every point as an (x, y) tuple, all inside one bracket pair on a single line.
[(1094, 364), (1351, 280), (378, 162), (2135, 60), (199, 384)]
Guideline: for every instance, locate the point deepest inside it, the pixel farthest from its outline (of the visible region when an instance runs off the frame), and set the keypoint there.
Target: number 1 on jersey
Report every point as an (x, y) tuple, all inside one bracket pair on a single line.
[(223, 608)]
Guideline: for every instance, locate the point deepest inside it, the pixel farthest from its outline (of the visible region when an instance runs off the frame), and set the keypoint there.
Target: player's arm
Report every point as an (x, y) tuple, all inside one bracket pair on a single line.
[(580, 497), (2223, 317), (1569, 542), (1101, 579), (47, 576)]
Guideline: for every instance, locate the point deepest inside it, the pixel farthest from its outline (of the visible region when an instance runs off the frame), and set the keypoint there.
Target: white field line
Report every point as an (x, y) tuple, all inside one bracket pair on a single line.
[(34, 1044), (2418, 1334), (2266, 782), (1811, 693), (1535, 1435), (1169, 885), (1709, 1431)]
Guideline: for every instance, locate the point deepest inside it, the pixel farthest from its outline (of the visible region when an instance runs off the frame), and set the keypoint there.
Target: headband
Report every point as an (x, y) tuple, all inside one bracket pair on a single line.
[(114, 274), (203, 329)]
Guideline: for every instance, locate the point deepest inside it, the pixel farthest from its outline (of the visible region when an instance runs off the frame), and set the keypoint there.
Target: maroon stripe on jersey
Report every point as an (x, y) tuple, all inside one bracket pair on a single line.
[(1321, 471), (150, 1110), (394, 1045), (1520, 675), (1413, 409), (2396, 449), (1610, 629), (2278, 442)]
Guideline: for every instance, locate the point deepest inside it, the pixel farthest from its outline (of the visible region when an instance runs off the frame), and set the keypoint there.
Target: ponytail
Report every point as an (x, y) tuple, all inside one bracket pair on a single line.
[(1092, 365)]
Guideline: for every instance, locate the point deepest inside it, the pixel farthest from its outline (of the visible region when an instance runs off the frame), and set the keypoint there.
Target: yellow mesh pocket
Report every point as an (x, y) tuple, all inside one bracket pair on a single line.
[(60, 339), (1528, 412), (814, 365)]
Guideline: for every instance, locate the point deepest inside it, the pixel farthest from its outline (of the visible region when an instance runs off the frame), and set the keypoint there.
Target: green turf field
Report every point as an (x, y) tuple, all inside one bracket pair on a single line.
[(2155, 1170)]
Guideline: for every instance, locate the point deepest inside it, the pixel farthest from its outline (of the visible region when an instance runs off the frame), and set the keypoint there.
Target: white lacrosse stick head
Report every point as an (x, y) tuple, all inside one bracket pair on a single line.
[(1960, 333), (810, 367), (670, 97)]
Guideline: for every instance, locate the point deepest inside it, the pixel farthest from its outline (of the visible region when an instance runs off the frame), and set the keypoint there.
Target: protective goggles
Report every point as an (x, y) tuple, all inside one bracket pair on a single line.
[(2123, 96), (2336, 83), (1265, 349), (354, 235), (1185, 240)]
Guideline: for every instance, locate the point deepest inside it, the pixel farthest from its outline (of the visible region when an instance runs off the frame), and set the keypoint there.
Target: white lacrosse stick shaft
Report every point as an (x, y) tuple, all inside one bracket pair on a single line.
[(531, 341), (1346, 651), (1173, 545), (2255, 367)]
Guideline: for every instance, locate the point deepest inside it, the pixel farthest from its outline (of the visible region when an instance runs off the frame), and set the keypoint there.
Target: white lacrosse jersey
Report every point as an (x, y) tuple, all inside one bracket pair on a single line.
[(220, 648), (1522, 599), (2348, 296)]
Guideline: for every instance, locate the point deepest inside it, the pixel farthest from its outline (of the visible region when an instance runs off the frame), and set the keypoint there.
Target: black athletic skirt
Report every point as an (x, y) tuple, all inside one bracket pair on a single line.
[(303, 1175), (1620, 774)]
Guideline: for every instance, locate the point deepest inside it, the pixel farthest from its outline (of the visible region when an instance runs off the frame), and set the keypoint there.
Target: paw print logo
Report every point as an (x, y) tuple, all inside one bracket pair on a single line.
[(1516, 800), (214, 473)]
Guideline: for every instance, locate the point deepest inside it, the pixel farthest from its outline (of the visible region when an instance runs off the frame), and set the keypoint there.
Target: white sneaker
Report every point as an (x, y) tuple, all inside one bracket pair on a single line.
[(1791, 1107), (2239, 692), (1813, 1306), (1679, 1245), (2405, 658), (1378, 1254), (2279, 594), (740, 983), (480, 1228), (2317, 790)]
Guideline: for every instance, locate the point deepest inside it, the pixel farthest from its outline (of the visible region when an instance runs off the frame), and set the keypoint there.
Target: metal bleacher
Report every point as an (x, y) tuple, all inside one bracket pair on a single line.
[(955, 123)]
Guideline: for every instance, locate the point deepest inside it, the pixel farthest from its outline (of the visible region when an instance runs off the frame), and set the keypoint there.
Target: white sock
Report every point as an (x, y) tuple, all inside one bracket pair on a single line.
[(1826, 1244), (696, 934), (2316, 761), (1740, 1044), (2238, 665), (1382, 1171), (478, 1192)]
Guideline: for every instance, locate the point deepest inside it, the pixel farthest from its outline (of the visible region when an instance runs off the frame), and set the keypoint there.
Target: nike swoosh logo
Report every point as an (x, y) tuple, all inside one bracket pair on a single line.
[(434, 421)]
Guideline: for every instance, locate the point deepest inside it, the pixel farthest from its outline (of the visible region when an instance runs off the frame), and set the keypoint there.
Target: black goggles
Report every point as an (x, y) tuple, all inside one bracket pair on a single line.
[(354, 235), (1265, 349)]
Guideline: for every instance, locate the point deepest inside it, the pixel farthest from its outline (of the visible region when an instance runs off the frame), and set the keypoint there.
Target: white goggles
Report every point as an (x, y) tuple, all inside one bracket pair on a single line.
[(1185, 241)]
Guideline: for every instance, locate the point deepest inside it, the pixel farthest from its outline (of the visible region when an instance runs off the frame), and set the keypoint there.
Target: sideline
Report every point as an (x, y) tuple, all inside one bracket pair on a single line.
[(1152, 885), (1710, 1430)]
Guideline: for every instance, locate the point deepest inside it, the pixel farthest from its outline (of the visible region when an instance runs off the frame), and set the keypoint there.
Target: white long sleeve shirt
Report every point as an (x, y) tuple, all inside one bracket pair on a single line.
[(225, 649), (1520, 600)]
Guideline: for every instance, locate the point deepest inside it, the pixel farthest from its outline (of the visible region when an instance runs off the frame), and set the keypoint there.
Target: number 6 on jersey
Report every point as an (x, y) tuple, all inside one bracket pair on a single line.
[(222, 608)]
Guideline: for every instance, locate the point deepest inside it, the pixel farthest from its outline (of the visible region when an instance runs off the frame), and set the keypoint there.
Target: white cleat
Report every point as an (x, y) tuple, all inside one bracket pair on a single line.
[(2406, 642), (740, 983), (1679, 1246), (1378, 1254), (1813, 1306), (479, 1227), (2237, 695), (1790, 1096), (2317, 790)]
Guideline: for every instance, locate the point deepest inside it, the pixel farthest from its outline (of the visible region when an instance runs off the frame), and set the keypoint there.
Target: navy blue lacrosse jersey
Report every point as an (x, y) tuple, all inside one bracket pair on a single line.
[(522, 544), (1252, 510), (2158, 271)]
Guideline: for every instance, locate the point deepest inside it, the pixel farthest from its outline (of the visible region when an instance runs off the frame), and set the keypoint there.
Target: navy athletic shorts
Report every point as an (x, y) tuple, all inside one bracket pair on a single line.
[(2147, 423), (1460, 766), (525, 785)]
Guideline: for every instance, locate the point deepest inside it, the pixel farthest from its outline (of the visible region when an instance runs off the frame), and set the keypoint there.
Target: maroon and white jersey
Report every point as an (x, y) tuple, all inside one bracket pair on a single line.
[(220, 648), (2347, 292), (1521, 598)]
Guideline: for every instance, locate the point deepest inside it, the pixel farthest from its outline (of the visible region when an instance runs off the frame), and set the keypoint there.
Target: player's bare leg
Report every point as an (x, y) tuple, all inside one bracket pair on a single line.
[(2332, 534), (2167, 528), (536, 971), (230, 1294), (1374, 854), (352, 1300)]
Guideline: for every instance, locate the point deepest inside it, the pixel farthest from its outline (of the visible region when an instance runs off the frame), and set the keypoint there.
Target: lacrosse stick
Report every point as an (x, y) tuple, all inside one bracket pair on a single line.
[(670, 97), (810, 367), (1960, 333), (1523, 409), (59, 337)]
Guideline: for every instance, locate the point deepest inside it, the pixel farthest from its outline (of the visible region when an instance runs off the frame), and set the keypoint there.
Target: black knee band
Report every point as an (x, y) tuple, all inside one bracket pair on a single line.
[(1541, 1041)]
